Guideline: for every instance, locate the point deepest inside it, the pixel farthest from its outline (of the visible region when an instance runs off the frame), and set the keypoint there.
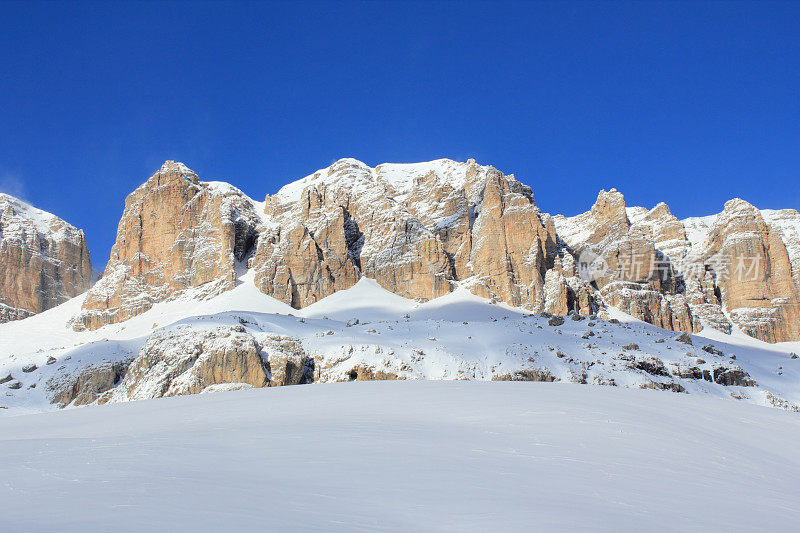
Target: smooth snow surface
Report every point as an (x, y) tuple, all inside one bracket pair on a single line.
[(405, 456)]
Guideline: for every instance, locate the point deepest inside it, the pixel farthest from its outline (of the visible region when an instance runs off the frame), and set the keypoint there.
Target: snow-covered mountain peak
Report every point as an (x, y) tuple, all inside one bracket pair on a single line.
[(20, 220), (176, 166), (739, 205), (393, 180), (43, 260), (402, 177)]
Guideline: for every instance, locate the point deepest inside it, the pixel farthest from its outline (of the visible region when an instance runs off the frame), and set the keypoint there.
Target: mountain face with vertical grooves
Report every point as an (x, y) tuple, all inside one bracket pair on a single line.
[(43, 260), (423, 230), (737, 269), (419, 230), (176, 233), (436, 270)]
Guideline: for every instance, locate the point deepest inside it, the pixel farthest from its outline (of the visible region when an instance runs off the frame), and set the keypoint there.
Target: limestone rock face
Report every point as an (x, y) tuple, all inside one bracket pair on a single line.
[(186, 360), (287, 361), (176, 233), (786, 222), (420, 230), (43, 260), (88, 386), (423, 229), (740, 267), (622, 261), (755, 273)]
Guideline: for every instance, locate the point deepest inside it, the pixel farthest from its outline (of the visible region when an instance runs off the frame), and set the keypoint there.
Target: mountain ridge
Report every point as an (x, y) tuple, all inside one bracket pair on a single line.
[(438, 270), (307, 241)]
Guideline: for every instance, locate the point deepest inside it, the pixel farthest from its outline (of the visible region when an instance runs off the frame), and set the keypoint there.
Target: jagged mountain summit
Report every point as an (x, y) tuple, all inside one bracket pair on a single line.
[(420, 230), (176, 232), (738, 268), (437, 270), (43, 260), (423, 230)]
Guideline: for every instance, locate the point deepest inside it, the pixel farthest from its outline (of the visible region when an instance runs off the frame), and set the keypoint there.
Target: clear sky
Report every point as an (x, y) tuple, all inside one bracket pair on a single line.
[(690, 103)]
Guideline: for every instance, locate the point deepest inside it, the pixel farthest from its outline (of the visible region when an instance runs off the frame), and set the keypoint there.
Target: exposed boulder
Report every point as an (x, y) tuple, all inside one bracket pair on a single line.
[(651, 365), (368, 373), (186, 361), (709, 348), (668, 386), (733, 376), (88, 386), (691, 373), (526, 375)]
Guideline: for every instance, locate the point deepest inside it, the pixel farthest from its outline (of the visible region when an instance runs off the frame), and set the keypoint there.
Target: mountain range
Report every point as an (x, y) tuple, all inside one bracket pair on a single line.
[(442, 269)]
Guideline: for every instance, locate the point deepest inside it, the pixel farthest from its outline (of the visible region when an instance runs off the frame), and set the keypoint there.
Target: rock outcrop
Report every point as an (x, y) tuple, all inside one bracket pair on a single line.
[(43, 260), (176, 233), (740, 267), (620, 258), (88, 386), (420, 230), (755, 275), (189, 361)]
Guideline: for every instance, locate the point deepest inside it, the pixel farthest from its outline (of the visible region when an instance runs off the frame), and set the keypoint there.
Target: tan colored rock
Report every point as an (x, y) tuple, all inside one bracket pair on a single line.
[(287, 361), (186, 361), (43, 260), (417, 229), (367, 373), (682, 274), (556, 299), (786, 223), (665, 311), (634, 275), (753, 270), (421, 230), (88, 386), (176, 233)]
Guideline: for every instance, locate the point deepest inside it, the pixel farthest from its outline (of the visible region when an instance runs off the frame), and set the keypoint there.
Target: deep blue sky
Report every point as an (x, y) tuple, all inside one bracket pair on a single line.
[(689, 103)]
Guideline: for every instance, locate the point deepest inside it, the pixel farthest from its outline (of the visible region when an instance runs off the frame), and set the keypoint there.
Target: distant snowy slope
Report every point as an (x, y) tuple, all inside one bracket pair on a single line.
[(405, 456), (365, 332)]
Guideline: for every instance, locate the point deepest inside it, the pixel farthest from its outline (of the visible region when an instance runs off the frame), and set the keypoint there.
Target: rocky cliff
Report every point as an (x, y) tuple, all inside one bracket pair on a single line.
[(43, 260), (756, 276), (737, 268), (176, 233), (422, 230)]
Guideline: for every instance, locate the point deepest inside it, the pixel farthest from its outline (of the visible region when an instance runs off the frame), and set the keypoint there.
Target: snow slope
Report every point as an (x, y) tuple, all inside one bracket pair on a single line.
[(404, 456), (457, 336), (21, 218)]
